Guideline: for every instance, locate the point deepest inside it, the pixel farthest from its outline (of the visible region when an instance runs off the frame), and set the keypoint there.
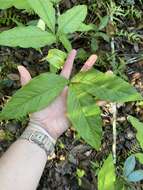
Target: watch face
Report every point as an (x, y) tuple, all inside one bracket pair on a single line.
[(40, 139)]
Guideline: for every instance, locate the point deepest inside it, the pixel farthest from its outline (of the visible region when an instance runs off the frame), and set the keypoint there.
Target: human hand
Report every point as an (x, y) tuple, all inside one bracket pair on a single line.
[(53, 118)]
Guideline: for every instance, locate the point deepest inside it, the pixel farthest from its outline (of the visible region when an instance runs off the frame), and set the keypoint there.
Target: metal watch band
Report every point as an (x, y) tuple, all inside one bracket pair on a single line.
[(40, 139)]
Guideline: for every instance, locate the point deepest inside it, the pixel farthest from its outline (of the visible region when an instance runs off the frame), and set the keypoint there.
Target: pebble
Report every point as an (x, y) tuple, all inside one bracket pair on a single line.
[(12, 127)]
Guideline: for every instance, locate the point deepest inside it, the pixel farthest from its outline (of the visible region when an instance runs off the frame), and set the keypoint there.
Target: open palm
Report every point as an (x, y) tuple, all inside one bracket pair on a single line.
[(53, 118)]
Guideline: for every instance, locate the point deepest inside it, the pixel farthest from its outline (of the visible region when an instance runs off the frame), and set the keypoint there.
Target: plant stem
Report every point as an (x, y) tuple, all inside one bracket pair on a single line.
[(113, 53), (114, 112), (114, 105)]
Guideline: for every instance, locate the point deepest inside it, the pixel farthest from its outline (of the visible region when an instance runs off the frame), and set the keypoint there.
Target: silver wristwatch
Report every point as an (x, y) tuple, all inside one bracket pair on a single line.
[(40, 138)]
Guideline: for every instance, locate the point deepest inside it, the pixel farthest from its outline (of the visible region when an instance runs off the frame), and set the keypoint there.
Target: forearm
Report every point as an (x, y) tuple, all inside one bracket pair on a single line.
[(21, 166)]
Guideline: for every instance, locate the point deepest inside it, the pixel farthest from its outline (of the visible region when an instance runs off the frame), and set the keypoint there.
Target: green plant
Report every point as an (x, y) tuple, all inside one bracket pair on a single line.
[(84, 90), (134, 13), (130, 174), (132, 37), (98, 33), (106, 175), (80, 173), (7, 17), (114, 11), (52, 28), (139, 156), (139, 127), (19, 4)]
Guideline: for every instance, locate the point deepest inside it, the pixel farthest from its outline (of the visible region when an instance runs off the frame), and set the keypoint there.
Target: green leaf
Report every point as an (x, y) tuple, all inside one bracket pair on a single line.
[(85, 28), (41, 24), (19, 4), (45, 10), (119, 184), (70, 21), (139, 127), (129, 165), (34, 96), (85, 117), (136, 176), (103, 22), (106, 176), (4, 4), (65, 41), (55, 1), (30, 36), (56, 58), (80, 173), (105, 86), (139, 156)]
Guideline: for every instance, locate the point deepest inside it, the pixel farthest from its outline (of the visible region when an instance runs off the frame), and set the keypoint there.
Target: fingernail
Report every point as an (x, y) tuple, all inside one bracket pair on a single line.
[(20, 68)]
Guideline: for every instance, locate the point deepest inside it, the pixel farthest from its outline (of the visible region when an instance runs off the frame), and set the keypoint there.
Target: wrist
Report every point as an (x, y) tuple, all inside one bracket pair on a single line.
[(44, 128), (37, 135)]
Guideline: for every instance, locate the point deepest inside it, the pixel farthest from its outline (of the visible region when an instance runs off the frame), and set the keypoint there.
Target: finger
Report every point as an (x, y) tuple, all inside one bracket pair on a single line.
[(25, 76), (65, 92), (67, 69), (89, 63)]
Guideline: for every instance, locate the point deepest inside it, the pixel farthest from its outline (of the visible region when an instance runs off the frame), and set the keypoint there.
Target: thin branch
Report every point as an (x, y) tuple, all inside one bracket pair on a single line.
[(114, 122)]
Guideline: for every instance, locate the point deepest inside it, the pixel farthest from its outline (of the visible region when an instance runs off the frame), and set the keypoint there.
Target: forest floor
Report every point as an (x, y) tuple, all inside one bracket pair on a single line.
[(72, 154)]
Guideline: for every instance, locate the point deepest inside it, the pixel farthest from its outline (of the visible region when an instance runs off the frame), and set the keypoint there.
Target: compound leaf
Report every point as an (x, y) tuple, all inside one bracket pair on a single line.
[(30, 36), (85, 117), (139, 127), (45, 10), (106, 175), (34, 96), (105, 86), (70, 21)]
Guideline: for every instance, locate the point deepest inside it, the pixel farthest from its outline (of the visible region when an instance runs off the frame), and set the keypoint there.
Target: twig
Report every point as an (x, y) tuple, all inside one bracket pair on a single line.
[(114, 121), (113, 53), (114, 105)]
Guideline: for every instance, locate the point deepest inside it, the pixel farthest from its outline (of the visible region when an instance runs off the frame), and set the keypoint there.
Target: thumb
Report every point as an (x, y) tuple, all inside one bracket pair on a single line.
[(89, 63), (25, 76)]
